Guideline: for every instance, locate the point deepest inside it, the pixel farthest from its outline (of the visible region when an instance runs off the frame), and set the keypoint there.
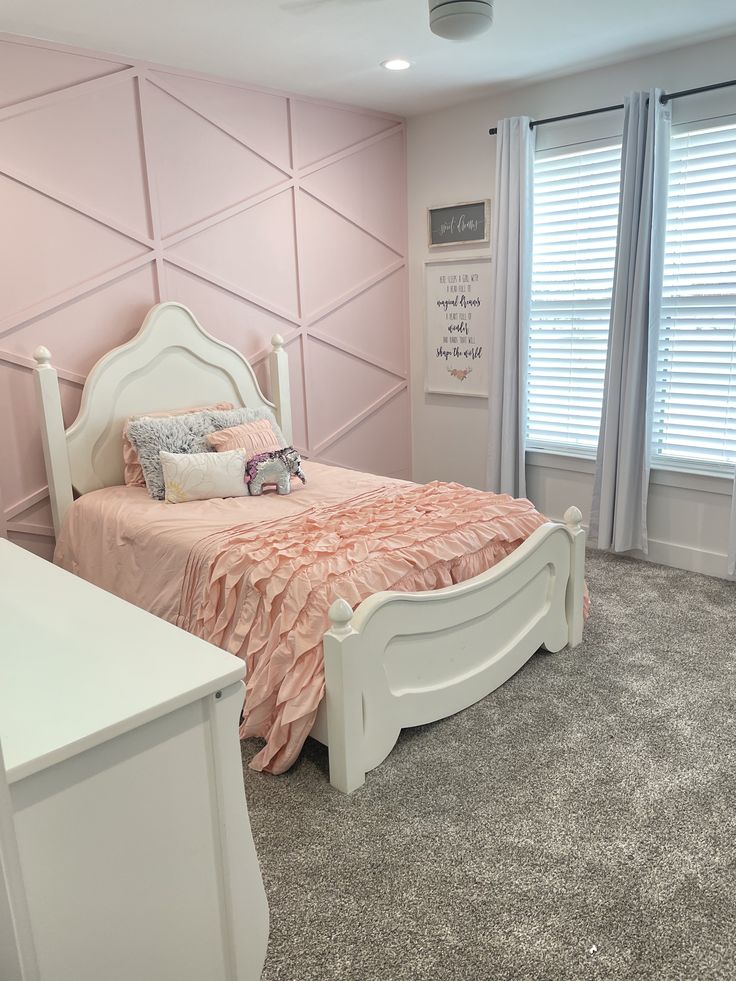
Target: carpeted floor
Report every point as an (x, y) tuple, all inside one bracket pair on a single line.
[(579, 823)]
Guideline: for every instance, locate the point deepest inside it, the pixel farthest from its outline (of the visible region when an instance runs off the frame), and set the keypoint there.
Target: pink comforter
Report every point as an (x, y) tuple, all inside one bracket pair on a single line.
[(256, 576)]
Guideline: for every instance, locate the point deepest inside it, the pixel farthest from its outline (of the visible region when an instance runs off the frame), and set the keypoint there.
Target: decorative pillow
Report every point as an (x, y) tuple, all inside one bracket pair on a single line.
[(181, 434), (202, 476), (133, 472), (238, 417), (253, 437)]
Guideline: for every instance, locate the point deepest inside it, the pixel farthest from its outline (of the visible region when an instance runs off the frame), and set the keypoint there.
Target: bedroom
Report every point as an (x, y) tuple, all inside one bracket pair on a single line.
[(258, 164)]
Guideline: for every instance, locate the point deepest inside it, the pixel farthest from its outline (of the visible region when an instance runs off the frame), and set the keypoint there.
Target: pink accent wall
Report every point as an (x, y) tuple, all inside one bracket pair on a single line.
[(123, 184)]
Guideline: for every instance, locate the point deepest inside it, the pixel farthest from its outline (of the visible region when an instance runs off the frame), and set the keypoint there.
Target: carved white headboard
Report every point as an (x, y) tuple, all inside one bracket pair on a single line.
[(171, 363)]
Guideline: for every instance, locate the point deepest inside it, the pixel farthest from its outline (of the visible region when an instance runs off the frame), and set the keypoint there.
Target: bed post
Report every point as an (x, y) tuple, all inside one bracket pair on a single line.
[(53, 437), (576, 582), (279, 361), (344, 698)]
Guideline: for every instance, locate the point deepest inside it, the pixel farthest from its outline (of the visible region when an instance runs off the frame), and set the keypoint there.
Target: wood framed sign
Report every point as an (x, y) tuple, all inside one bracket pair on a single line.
[(458, 325), (459, 224)]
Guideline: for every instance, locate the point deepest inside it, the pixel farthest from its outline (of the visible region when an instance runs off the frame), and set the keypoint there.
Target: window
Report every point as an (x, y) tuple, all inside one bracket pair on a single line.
[(695, 395), (575, 217)]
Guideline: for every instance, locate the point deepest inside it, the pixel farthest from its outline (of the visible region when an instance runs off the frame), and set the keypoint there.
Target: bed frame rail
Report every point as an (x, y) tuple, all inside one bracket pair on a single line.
[(407, 659)]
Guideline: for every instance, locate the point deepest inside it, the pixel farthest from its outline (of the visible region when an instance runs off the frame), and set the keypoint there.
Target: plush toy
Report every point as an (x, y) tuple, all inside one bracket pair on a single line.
[(294, 463), (273, 468)]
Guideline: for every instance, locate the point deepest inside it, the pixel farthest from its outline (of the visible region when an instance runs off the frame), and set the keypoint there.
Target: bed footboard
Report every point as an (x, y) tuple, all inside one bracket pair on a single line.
[(407, 659)]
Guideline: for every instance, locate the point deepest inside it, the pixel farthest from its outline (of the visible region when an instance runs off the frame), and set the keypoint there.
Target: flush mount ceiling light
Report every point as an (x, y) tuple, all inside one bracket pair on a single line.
[(458, 20), (396, 64)]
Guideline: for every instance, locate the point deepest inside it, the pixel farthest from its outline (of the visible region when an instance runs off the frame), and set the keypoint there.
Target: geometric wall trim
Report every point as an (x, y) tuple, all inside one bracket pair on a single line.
[(32, 70), (338, 255), (124, 184), (382, 303), (107, 175), (320, 131), (223, 253), (380, 209), (258, 120), (184, 146)]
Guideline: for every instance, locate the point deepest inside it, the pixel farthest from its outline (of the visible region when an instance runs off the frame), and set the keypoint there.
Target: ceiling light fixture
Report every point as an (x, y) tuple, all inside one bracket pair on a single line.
[(396, 64), (458, 20)]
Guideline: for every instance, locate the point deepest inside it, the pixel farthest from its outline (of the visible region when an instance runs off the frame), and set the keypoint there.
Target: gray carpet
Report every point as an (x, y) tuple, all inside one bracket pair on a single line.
[(579, 823)]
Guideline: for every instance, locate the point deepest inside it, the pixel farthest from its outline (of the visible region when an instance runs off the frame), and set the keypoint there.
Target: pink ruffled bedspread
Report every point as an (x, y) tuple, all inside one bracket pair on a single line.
[(256, 576), (266, 592)]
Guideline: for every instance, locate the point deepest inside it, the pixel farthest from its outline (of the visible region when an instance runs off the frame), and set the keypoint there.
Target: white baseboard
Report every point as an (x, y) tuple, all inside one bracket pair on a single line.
[(686, 557), (678, 556), (695, 507)]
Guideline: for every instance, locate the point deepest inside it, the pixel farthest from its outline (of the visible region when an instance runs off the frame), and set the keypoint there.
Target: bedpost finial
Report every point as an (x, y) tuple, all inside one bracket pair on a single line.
[(277, 342), (573, 517), (340, 614), (42, 355)]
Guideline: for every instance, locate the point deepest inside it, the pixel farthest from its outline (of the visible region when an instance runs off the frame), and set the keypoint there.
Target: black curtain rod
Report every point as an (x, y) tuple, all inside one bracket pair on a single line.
[(664, 99)]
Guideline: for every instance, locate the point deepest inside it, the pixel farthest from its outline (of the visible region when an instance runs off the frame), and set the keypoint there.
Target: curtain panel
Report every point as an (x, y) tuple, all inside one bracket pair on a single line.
[(512, 266), (619, 510)]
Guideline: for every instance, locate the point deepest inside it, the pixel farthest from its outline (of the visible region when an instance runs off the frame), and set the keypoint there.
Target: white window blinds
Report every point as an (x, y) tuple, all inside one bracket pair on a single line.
[(576, 195), (695, 395)]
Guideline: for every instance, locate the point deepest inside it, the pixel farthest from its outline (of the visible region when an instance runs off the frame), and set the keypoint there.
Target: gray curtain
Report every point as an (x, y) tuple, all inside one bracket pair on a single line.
[(619, 511), (512, 262)]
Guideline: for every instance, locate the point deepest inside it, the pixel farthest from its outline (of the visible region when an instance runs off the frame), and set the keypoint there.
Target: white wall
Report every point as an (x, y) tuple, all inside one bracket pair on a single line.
[(451, 158)]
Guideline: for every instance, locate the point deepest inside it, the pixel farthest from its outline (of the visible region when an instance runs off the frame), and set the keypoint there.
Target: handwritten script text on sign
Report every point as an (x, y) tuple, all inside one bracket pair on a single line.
[(458, 306), (458, 224)]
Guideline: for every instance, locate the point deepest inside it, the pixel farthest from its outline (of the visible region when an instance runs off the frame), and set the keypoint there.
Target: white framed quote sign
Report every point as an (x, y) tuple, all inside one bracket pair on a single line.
[(458, 325)]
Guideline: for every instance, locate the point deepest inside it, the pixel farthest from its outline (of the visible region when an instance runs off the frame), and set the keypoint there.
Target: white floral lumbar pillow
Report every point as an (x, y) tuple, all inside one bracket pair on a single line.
[(201, 476)]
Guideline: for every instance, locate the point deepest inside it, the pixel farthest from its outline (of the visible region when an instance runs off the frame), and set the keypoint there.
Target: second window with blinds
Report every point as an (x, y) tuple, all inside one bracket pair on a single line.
[(695, 393), (576, 193)]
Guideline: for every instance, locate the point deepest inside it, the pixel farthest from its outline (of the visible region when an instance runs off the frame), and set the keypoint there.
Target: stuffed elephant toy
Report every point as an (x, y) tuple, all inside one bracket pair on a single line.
[(277, 467)]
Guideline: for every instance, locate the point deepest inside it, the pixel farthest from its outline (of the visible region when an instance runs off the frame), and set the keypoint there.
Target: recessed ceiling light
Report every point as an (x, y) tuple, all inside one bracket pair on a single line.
[(396, 64)]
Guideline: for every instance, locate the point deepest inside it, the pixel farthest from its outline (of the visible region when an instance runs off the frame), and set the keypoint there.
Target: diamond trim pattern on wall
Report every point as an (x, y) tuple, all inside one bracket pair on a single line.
[(278, 221)]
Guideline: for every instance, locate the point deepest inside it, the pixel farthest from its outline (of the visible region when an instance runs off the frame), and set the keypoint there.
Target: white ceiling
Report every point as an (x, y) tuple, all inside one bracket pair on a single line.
[(332, 48)]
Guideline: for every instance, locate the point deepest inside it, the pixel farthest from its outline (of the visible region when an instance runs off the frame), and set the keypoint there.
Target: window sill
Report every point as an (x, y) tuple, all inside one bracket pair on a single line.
[(560, 461), (700, 482)]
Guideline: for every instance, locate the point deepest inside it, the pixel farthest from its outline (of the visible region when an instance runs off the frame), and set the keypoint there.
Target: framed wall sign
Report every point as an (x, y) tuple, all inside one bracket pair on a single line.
[(459, 224), (457, 317)]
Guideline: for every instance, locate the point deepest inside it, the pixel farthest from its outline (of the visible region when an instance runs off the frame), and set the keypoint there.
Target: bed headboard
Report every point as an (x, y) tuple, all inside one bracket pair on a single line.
[(171, 363)]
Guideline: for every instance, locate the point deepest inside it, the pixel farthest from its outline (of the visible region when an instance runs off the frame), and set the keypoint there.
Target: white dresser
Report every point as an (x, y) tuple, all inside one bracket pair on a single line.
[(125, 846)]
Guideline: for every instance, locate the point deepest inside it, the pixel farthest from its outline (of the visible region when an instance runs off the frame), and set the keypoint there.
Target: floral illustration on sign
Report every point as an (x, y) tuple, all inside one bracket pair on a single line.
[(460, 373)]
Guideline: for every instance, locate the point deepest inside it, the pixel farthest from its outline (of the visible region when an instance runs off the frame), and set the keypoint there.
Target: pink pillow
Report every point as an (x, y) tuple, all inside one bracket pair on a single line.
[(133, 471), (253, 437)]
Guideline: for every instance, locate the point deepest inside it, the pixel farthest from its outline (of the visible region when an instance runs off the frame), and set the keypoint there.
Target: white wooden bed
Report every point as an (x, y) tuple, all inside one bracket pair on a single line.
[(400, 659)]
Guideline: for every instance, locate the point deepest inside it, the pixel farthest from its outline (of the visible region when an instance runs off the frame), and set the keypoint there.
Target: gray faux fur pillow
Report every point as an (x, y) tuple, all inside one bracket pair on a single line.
[(182, 434)]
